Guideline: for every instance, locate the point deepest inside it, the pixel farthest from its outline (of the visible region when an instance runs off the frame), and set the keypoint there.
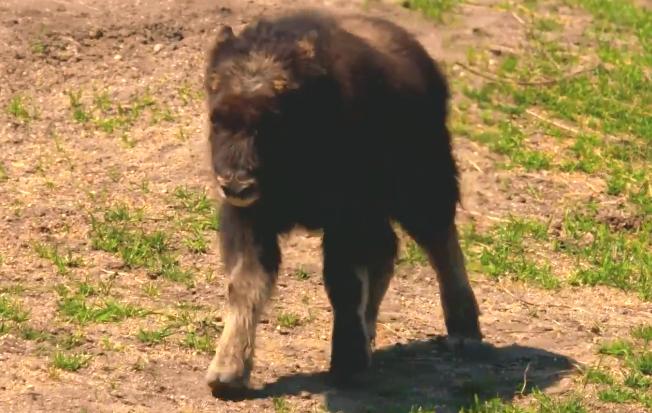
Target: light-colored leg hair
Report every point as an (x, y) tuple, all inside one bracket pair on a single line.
[(457, 298), (248, 291)]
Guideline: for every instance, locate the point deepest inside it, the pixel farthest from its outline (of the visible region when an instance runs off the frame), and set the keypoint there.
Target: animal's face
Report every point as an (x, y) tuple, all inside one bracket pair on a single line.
[(243, 92), (237, 126), (246, 84)]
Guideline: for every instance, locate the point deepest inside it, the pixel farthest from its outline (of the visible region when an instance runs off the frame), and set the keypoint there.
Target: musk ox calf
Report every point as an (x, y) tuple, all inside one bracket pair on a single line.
[(333, 123)]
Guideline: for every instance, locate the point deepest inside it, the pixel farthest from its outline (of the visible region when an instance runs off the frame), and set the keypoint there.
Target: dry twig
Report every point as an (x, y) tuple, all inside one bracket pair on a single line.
[(545, 82)]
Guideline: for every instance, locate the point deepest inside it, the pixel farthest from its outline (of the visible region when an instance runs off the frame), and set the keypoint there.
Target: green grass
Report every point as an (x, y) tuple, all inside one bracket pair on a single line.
[(152, 337), (434, 9), (541, 404), (506, 138), (288, 320), (301, 274), (607, 104), (201, 342), (603, 255), (631, 379), (507, 251), (413, 254), (12, 311), (281, 405), (32, 334), (118, 233), (598, 376), (70, 362), (116, 117), (18, 109), (643, 332), (199, 212), (77, 308), (621, 259), (196, 242), (617, 348), (63, 262)]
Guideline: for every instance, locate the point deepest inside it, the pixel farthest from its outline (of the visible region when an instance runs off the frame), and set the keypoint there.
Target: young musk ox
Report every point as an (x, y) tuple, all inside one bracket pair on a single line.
[(333, 123)]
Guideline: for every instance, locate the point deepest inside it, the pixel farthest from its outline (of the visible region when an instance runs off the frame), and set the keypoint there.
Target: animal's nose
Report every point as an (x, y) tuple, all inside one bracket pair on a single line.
[(239, 189)]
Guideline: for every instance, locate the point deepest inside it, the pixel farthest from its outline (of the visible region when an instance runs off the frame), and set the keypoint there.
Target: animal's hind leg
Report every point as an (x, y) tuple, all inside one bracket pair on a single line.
[(251, 257), (458, 300), (437, 235), (356, 255), (380, 269)]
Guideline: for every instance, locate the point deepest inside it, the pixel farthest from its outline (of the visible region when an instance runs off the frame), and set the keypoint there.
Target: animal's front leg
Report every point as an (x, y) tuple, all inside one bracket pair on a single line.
[(251, 257), (347, 285)]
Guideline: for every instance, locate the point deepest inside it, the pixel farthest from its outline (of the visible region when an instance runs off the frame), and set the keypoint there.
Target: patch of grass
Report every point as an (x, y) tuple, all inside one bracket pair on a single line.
[(637, 380), (68, 341), (413, 254), (70, 362), (643, 363), (196, 243), (12, 311), (607, 105), (617, 348), (616, 394), (12, 289), (301, 274), (136, 247), (62, 262), (643, 332), (122, 213), (79, 112), (39, 47), (151, 290), (614, 258), (32, 334), (192, 200), (152, 337), (508, 139), (76, 308), (18, 109), (635, 365), (505, 252), (594, 375), (542, 404), (281, 405), (111, 117), (199, 342), (288, 320), (434, 9)]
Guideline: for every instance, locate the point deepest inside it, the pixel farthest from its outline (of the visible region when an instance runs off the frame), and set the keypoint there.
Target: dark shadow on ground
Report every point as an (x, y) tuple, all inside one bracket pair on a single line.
[(432, 375)]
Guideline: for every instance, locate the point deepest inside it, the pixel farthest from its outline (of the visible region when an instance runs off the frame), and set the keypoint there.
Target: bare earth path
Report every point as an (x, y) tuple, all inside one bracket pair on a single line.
[(62, 168)]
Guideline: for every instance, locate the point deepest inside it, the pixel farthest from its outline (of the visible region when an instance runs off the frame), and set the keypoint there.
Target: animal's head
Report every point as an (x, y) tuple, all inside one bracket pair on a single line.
[(246, 81)]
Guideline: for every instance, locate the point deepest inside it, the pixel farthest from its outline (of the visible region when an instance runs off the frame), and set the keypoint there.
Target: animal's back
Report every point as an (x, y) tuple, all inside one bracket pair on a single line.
[(373, 134)]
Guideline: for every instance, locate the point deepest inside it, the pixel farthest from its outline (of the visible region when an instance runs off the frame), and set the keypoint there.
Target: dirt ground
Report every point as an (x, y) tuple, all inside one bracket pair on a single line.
[(60, 170)]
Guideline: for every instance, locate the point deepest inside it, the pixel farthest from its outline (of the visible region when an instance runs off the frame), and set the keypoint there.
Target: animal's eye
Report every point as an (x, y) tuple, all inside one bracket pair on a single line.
[(215, 117)]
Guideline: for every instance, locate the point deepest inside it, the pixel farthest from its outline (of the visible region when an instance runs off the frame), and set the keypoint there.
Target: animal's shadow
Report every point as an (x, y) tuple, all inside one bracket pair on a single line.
[(432, 375)]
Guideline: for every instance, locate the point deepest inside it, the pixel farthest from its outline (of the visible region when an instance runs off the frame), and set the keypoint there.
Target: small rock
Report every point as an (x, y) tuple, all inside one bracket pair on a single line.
[(117, 57), (157, 47)]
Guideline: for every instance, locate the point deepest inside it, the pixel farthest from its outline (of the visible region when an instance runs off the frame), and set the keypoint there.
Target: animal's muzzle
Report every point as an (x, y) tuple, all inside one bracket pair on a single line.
[(239, 193)]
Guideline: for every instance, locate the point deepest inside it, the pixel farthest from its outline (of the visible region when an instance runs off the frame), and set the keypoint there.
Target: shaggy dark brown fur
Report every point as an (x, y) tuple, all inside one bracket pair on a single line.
[(337, 123)]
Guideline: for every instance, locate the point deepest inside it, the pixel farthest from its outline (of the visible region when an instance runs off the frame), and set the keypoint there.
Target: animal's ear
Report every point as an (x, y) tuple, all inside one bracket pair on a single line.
[(306, 45), (224, 35)]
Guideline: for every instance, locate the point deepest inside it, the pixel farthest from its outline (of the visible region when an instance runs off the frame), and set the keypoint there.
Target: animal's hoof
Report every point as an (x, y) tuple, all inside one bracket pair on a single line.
[(228, 383), (346, 368)]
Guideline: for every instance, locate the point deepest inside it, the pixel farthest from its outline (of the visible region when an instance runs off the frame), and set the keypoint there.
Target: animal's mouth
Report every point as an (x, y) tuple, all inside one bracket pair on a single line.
[(241, 202), (239, 196)]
